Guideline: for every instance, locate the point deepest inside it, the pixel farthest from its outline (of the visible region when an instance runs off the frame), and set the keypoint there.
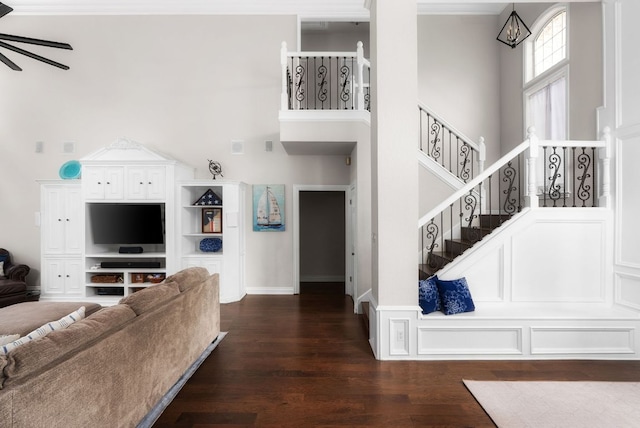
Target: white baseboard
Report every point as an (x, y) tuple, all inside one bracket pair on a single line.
[(270, 290)]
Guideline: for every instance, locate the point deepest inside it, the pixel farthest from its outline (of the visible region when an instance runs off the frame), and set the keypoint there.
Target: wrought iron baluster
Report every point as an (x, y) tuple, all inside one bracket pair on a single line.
[(555, 162), (300, 81), (435, 133), (345, 92), (470, 205), (465, 152), (584, 189), (322, 85), (509, 178)]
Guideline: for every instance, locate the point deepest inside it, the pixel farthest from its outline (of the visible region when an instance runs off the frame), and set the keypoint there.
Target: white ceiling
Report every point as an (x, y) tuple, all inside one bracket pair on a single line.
[(309, 9)]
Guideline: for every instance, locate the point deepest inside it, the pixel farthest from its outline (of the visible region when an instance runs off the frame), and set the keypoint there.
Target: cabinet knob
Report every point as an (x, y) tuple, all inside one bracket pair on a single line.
[(59, 219), (67, 276), (59, 276), (67, 219), (108, 182), (149, 182), (99, 182), (141, 182)]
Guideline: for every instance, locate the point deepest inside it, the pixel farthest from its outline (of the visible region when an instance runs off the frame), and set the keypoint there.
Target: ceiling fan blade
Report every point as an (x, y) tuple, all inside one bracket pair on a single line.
[(39, 42), (4, 9), (12, 65), (34, 56)]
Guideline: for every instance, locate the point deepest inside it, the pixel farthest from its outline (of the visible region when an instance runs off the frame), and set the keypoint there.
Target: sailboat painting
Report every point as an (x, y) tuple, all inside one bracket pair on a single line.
[(268, 207)]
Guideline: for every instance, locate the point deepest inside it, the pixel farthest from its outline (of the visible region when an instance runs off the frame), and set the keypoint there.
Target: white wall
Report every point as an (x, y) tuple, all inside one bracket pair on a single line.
[(183, 85)]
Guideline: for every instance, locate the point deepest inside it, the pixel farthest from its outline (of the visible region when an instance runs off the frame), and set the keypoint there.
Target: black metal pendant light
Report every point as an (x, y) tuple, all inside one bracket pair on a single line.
[(514, 31), (4, 9)]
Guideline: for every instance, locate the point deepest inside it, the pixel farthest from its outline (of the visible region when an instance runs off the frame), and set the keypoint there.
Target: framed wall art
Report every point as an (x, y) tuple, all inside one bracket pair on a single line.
[(212, 220)]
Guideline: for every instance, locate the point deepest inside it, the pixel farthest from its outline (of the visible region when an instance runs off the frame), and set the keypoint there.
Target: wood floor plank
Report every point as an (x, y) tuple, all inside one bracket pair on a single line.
[(305, 361)]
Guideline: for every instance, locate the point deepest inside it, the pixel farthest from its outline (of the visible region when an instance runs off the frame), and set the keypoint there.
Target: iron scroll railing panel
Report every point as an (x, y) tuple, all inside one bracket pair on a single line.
[(569, 176), (325, 82), (447, 147)]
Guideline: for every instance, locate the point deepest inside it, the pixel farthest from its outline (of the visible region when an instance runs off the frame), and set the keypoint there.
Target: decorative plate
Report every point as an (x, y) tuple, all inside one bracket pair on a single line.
[(211, 245), (70, 170)]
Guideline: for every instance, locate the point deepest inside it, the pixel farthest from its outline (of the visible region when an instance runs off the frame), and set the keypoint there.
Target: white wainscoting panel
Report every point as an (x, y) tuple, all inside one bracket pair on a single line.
[(582, 340), (469, 340), (557, 261), (628, 202), (627, 290)]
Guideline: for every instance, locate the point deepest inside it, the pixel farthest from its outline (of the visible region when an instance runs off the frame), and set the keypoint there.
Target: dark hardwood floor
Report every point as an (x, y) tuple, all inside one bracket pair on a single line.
[(304, 361)]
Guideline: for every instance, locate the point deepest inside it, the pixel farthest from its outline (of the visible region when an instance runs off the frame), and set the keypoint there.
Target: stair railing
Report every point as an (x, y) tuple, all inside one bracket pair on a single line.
[(325, 80), (576, 174), (450, 148)]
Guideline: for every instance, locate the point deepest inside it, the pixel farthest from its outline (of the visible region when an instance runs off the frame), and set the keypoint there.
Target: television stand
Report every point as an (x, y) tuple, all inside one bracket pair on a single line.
[(130, 250)]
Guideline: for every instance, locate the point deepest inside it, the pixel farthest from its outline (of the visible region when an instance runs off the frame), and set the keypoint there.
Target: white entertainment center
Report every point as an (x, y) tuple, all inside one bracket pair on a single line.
[(79, 263)]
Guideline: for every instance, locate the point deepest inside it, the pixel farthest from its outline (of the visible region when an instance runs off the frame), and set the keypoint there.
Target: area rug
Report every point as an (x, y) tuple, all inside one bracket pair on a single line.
[(559, 404), (157, 410)]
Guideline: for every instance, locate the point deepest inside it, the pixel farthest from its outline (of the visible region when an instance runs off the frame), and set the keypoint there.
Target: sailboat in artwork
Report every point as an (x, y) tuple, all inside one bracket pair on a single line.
[(268, 212)]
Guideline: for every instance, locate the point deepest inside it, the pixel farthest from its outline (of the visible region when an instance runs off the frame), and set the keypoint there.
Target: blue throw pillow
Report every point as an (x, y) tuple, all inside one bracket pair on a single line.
[(455, 296), (428, 296)]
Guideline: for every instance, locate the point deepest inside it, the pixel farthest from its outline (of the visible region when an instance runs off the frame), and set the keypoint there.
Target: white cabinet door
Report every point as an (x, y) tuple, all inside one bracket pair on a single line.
[(212, 265), (74, 213), (62, 277), (62, 219), (146, 183), (103, 182)]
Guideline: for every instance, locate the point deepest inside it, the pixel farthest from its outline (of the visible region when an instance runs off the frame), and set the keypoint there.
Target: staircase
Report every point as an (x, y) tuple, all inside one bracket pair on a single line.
[(455, 247)]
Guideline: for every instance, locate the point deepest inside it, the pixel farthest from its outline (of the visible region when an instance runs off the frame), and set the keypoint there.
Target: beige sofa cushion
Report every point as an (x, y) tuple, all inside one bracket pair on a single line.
[(150, 297), (23, 318), (189, 277), (45, 352)]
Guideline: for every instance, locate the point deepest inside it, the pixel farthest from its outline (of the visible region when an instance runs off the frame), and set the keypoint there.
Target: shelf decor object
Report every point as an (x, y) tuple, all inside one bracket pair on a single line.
[(211, 245), (4, 9), (209, 198), (212, 220), (70, 170), (215, 169)]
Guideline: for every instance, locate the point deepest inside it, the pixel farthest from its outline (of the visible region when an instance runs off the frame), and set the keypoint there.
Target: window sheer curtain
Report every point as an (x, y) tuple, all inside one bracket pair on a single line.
[(548, 114)]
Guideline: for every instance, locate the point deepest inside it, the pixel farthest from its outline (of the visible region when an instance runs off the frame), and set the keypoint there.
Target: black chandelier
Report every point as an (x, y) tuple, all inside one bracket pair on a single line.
[(514, 31), (4, 9)]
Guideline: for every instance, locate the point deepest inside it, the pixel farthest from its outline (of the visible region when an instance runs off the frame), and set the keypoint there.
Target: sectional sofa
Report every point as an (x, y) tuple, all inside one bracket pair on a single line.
[(110, 368)]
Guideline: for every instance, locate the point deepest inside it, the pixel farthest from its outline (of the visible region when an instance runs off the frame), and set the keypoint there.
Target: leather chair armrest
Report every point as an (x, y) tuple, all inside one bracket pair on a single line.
[(17, 272)]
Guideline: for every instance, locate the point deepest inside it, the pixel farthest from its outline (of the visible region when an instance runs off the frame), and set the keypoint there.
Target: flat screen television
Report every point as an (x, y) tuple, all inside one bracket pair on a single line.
[(127, 224)]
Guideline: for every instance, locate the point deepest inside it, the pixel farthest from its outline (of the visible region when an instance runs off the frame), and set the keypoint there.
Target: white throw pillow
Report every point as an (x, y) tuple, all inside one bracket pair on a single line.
[(8, 338), (45, 329), (2, 269)]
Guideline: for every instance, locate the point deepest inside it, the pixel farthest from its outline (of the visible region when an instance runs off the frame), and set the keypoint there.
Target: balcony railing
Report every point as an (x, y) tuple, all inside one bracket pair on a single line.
[(325, 80)]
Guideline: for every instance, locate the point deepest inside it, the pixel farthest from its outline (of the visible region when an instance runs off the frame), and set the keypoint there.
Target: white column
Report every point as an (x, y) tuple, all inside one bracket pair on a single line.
[(395, 133), (605, 169)]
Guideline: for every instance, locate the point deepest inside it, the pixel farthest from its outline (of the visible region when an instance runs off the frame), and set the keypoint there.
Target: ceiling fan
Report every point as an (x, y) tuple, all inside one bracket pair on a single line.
[(4, 9)]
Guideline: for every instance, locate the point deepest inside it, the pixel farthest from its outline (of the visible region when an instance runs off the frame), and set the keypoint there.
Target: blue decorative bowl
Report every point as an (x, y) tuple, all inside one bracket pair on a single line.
[(70, 170), (211, 245)]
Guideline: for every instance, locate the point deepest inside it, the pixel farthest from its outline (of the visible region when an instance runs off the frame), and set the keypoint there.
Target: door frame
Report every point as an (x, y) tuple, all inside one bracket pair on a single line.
[(297, 188)]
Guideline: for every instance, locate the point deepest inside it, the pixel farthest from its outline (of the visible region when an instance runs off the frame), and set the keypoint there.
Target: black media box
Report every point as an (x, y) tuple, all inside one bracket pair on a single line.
[(140, 264)]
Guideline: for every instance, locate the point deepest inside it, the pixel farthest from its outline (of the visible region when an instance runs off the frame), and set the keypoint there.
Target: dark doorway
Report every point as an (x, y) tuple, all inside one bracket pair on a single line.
[(322, 242)]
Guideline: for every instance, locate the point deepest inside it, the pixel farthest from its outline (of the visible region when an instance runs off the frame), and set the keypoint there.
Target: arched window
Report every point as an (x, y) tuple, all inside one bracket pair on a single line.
[(550, 44)]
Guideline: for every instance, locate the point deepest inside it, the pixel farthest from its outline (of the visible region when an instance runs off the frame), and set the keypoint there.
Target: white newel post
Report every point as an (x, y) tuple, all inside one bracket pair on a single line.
[(284, 96), (360, 76), (605, 174), (532, 185), (482, 155)]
